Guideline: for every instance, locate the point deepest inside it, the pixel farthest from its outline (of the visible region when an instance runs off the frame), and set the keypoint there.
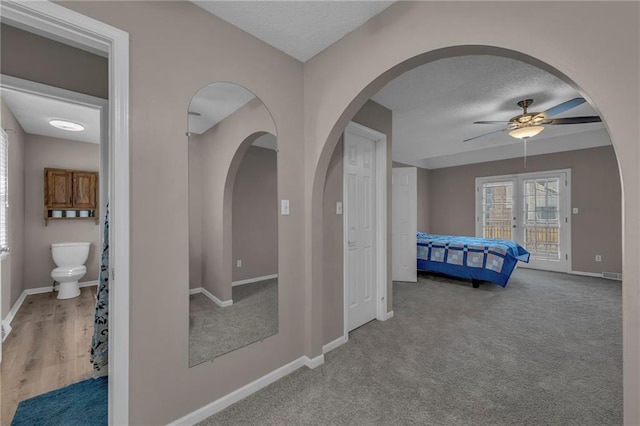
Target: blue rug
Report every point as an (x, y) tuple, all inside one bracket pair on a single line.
[(79, 404)]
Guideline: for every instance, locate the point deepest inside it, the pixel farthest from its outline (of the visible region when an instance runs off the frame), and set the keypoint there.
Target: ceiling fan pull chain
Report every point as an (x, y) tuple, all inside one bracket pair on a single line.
[(525, 152)]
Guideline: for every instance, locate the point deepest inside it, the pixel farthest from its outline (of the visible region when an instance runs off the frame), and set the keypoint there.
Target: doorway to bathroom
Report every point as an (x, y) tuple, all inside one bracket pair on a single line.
[(57, 195), (56, 24)]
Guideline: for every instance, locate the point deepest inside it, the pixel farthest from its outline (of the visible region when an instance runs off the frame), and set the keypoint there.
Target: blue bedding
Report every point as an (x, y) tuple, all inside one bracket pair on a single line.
[(469, 257)]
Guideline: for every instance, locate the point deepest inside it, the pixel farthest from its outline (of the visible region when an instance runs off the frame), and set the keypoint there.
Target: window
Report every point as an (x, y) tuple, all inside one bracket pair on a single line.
[(4, 192)]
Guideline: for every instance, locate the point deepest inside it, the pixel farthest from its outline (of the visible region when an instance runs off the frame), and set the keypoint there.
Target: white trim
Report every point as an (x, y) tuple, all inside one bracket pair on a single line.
[(6, 330), (49, 288), (335, 344), (209, 295), (380, 140), (517, 179), (388, 316), (314, 362), (15, 308), (59, 23), (27, 86), (254, 280), (239, 394), (586, 274)]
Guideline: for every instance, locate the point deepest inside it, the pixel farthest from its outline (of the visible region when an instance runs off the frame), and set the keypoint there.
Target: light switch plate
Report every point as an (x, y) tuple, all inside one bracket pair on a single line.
[(284, 207), (339, 207)]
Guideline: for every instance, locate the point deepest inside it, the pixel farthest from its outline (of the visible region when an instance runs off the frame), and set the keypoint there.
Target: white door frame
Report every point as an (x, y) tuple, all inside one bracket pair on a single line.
[(516, 177), (61, 24), (380, 140)]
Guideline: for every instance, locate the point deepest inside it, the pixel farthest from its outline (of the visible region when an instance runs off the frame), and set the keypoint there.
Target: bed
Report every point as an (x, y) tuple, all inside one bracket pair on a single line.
[(478, 259)]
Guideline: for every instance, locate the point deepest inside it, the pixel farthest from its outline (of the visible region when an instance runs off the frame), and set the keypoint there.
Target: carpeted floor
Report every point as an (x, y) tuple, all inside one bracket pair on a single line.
[(547, 350), (214, 331)]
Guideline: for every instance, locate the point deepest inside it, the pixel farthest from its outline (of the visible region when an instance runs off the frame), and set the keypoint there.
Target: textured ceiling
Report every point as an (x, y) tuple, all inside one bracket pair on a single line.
[(33, 112), (434, 107), (301, 29)]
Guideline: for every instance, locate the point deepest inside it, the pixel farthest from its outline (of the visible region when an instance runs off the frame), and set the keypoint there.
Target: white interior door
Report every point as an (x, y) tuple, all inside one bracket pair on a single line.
[(531, 209), (404, 223), (360, 229)]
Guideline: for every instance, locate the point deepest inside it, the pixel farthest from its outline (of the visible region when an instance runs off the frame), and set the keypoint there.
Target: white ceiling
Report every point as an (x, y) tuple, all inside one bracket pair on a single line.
[(300, 29), (33, 112), (434, 107), (214, 103)]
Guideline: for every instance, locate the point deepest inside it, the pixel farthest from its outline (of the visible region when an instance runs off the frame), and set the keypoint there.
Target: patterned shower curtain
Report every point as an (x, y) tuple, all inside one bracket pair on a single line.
[(100, 340)]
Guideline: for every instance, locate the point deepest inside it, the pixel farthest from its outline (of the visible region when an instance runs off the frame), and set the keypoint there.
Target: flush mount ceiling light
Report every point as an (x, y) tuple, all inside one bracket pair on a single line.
[(69, 126), (525, 132)]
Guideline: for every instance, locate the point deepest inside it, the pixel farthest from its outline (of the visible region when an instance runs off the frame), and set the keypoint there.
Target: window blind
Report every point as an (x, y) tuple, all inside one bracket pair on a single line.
[(4, 190)]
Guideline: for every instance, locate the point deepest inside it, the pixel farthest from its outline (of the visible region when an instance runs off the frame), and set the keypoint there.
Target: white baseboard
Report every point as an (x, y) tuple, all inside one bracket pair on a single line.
[(13, 311), (237, 395), (254, 280), (616, 276), (586, 274), (6, 323), (314, 362), (48, 289), (388, 316), (334, 344), (209, 295)]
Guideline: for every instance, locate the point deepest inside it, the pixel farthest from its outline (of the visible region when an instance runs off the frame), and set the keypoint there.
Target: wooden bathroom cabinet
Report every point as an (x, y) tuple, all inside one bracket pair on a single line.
[(70, 194)]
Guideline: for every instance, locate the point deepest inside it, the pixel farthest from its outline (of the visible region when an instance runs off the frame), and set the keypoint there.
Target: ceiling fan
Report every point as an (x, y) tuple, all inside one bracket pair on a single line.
[(529, 124)]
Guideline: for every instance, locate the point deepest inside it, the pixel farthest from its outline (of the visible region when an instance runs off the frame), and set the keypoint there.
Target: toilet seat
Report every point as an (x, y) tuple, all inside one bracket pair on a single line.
[(63, 272)]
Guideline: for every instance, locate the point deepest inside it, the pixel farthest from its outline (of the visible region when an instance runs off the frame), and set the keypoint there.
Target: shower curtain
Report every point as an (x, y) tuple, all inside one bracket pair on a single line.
[(100, 341)]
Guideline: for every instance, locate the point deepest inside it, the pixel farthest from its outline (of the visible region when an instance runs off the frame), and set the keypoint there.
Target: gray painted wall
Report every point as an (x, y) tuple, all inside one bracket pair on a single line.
[(41, 152), (377, 117), (595, 190), (219, 52), (255, 215), (13, 264), (31, 57)]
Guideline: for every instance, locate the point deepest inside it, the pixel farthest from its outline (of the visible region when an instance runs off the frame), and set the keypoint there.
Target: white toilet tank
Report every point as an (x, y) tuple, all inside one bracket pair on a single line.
[(70, 254)]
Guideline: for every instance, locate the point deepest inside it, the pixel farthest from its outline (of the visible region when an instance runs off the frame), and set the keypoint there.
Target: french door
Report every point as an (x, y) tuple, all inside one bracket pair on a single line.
[(530, 209)]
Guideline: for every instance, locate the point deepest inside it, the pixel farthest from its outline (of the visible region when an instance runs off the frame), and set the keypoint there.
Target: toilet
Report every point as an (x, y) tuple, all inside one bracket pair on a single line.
[(70, 259)]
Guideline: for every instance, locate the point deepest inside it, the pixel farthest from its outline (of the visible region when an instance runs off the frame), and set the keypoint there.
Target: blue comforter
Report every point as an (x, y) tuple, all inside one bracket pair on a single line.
[(469, 257)]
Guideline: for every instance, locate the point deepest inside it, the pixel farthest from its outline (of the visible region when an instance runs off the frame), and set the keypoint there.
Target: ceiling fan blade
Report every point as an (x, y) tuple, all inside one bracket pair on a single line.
[(503, 123), (575, 120), (565, 106), (485, 134)]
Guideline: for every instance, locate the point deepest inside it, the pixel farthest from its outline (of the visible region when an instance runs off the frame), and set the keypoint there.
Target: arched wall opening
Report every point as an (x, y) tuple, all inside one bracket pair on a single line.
[(351, 109)]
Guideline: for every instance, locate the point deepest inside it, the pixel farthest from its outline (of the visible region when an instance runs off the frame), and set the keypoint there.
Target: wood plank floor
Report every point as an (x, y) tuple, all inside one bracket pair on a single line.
[(47, 349)]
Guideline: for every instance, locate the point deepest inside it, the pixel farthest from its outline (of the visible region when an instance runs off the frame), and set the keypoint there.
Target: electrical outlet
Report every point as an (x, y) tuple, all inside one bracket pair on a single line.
[(575, 210), (238, 263), (284, 207), (598, 258), (339, 207)]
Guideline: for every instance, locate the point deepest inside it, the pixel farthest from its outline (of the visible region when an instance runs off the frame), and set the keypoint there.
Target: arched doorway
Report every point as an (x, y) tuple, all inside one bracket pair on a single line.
[(352, 103)]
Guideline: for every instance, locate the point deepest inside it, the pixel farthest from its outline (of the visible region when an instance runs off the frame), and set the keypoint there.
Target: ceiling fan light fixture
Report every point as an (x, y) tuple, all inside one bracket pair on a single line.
[(525, 132)]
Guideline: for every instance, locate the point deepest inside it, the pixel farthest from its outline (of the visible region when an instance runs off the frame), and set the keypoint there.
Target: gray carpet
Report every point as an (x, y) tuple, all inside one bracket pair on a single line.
[(214, 331), (547, 350)]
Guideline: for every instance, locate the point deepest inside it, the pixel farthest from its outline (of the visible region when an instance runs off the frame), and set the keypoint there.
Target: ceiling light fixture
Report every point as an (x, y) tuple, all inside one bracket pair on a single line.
[(69, 126), (525, 132)]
